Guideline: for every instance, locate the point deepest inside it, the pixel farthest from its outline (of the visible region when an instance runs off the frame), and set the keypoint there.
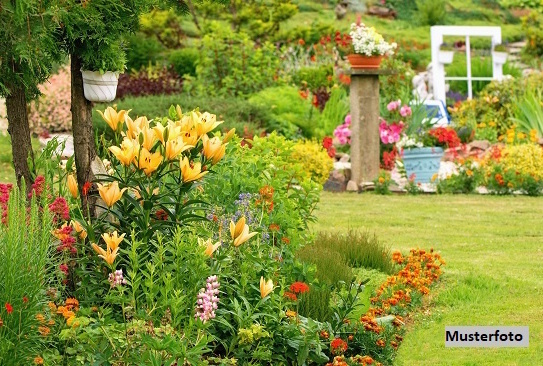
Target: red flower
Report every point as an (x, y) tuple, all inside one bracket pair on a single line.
[(274, 227), (285, 240), (9, 308), (299, 287), (327, 142), (338, 346), (60, 208), (64, 268), (301, 42), (25, 299), (37, 187), (86, 187), (291, 296), (332, 152)]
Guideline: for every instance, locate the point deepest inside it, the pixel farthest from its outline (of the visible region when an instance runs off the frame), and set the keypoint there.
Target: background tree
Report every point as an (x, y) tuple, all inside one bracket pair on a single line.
[(28, 49)]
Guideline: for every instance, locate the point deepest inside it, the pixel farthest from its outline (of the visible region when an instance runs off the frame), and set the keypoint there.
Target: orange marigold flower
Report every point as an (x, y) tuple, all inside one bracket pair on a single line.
[(44, 331), (380, 343), (338, 346), (285, 240), (38, 360), (40, 318), (274, 227)]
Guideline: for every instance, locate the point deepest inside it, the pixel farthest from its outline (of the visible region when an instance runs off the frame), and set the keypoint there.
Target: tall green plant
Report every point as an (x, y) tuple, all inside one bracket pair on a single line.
[(529, 111), (335, 111), (26, 272)]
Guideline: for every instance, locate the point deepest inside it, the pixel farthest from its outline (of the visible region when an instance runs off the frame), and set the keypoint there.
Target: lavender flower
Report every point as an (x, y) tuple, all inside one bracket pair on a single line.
[(116, 278), (207, 300)]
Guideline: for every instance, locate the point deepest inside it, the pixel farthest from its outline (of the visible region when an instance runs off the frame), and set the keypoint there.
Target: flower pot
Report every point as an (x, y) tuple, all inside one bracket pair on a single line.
[(423, 162), (499, 57), (445, 57), (100, 87), (364, 62)]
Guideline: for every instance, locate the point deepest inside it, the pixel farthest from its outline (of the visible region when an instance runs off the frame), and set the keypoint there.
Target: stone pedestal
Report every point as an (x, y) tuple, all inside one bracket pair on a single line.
[(365, 123)]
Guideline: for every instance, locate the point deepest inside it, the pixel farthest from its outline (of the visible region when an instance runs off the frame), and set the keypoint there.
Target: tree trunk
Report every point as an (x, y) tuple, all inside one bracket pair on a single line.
[(21, 145), (84, 149)]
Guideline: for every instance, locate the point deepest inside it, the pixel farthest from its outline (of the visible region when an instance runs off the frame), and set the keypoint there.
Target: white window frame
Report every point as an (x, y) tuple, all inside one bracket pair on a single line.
[(438, 69)]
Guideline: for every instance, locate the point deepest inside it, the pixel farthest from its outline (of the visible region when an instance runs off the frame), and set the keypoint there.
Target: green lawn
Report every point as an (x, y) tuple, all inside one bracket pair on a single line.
[(494, 272)]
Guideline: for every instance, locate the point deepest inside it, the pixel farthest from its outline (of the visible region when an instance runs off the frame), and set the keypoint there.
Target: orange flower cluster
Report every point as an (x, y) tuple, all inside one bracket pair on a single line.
[(266, 194), (338, 346), (357, 360), (71, 305)]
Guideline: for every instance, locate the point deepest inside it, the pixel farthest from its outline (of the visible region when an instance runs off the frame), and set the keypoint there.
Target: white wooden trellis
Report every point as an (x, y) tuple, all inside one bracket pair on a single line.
[(438, 68)]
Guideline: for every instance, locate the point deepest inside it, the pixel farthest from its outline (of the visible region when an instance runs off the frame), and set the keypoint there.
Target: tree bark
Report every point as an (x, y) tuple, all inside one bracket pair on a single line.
[(84, 148), (21, 145)]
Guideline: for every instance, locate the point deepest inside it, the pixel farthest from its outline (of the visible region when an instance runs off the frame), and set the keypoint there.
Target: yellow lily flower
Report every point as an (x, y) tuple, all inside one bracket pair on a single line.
[(134, 127), (191, 173), (112, 240), (159, 132), (113, 118), (210, 248), (78, 228), (149, 138), (174, 131), (127, 152), (72, 186), (265, 287), (179, 111), (175, 147), (110, 193), (149, 162), (107, 255), (206, 123), (213, 148), (240, 232), (190, 137), (229, 135)]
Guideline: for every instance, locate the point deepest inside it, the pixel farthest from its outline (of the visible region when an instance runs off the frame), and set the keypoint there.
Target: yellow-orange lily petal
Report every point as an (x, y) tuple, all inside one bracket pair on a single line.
[(229, 135), (244, 236), (205, 123), (78, 228), (213, 148), (113, 240), (107, 255), (190, 137), (72, 186), (159, 130), (175, 147), (134, 127), (110, 193), (127, 152), (191, 173), (210, 248), (149, 138), (113, 118), (265, 287), (237, 228), (149, 162)]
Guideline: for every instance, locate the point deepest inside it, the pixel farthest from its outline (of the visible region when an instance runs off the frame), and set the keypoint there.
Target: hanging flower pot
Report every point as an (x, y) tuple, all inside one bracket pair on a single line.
[(499, 57), (100, 87), (445, 57), (358, 61)]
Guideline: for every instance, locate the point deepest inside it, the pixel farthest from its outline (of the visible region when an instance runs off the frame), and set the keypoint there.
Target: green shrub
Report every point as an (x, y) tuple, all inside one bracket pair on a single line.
[(184, 61), (404, 8), (315, 303), (314, 78), (431, 12), (142, 51), (359, 249), (397, 85), (532, 26), (311, 34)]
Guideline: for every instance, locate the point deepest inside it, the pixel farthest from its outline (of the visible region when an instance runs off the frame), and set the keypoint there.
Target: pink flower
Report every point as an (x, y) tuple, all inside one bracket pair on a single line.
[(395, 104), (390, 133), (405, 111), (60, 208), (64, 268), (348, 120)]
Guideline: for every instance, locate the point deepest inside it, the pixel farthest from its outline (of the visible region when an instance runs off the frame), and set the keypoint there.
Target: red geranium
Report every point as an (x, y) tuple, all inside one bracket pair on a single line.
[(299, 287), (445, 136)]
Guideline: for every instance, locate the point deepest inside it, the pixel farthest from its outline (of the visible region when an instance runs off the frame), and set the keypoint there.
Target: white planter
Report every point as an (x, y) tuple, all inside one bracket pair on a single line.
[(499, 57), (100, 87), (445, 57)]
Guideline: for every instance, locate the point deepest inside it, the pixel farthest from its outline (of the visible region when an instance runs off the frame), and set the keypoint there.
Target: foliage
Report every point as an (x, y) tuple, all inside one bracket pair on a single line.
[(331, 267), (315, 159), (231, 64), (468, 177), (531, 26), (529, 112), (431, 12), (163, 26), (26, 272), (335, 111), (142, 51), (149, 81), (51, 111), (184, 61), (398, 85), (404, 8), (310, 34), (382, 182)]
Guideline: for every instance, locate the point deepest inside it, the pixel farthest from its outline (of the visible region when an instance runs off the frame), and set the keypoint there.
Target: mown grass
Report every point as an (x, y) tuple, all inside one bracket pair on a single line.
[(492, 246)]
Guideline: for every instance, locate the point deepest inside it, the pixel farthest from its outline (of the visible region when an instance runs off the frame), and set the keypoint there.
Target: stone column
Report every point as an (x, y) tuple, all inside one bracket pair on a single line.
[(364, 96)]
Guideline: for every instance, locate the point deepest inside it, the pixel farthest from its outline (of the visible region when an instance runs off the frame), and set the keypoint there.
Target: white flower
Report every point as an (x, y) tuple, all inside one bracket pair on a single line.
[(366, 41)]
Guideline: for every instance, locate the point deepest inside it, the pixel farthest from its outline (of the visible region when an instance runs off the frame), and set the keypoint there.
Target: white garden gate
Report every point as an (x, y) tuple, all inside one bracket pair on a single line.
[(438, 68)]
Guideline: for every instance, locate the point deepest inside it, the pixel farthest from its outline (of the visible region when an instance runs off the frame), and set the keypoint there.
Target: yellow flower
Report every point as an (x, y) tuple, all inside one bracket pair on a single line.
[(265, 287), (213, 148), (149, 138), (72, 186), (205, 122), (240, 232), (127, 152), (290, 313), (110, 193), (434, 177), (229, 135), (134, 127), (113, 240), (107, 255), (149, 162), (190, 137), (210, 248), (191, 173), (78, 228), (175, 147), (179, 111), (159, 132), (113, 118)]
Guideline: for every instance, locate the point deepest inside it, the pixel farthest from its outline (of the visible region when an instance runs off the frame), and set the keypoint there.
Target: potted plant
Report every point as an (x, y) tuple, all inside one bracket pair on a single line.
[(446, 54), (101, 69), (499, 54), (364, 47), (421, 145)]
